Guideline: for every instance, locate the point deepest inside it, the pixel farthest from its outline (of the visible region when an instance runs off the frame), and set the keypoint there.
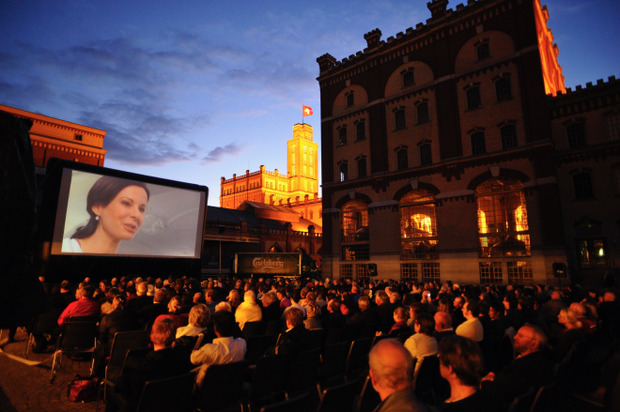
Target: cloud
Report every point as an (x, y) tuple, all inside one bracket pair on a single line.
[(219, 152)]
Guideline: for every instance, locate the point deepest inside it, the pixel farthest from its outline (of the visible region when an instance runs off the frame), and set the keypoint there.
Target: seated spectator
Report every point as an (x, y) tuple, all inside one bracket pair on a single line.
[(199, 319), (531, 368), (271, 307), (460, 363), (400, 323), (85, 305), (107, 306), (296, 337), (422, 343), (224, 349), (174, 312), (162, 362), (234, 299), (312, 320), (472, 327), (248, 310), (443, 325), (148, 314), (571, 334), (390, 369)]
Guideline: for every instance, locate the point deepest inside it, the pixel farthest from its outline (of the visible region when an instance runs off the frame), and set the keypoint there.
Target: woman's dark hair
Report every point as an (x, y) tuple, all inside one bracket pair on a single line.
[(464, 356), (102, 193), (426, 322)]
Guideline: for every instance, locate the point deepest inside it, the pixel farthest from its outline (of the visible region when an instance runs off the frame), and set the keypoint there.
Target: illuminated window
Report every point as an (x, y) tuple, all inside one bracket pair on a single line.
[(408, 78), (473, 98), (408, 271), (342, 135), (520, 272), (423, 116), (503, 90), (344, 171), (490, 272), (399, 118), (362, 274), (426, 154), (576, 135), (502, 218), (509, 136), (591, 252), (346, 271), (360, 131), (582, 183), (482, 50), (478, 145), (418, 226), (430, 272), (355, 221)]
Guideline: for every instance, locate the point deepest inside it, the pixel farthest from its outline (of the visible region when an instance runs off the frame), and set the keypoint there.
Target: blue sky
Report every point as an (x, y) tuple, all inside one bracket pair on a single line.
[(196, 90)]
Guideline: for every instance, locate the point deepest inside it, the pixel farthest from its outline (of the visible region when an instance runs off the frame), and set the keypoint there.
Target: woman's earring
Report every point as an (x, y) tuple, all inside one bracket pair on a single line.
[(97, 218)]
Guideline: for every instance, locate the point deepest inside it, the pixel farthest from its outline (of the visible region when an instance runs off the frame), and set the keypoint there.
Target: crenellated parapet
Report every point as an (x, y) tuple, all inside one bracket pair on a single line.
[(586, 98)]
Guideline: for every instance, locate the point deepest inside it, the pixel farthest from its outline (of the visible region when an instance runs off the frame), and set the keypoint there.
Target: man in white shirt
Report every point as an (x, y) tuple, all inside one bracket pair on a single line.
[(224, 349), (248, 310), (472, 327)]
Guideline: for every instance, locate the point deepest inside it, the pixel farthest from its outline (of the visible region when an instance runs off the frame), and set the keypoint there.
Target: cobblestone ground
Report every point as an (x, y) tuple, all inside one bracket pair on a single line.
[(25, 387)]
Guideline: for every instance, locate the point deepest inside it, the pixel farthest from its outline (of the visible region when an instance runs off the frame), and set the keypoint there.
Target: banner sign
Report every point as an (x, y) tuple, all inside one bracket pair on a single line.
[(268, 263)]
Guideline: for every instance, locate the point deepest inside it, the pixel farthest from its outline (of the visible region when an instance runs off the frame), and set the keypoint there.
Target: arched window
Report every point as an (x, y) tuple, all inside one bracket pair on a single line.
[(502, 218), (355, 231), (418, 225), (408, 78)]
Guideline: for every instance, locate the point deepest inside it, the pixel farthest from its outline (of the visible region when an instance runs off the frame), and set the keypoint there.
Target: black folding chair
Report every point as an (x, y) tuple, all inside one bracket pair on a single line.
[(339, 398), (254, 328), (222, 387), (333, 363), (369, 398), (169, 394), (121, 344), (76, 339), (357, 358), (268, 382)]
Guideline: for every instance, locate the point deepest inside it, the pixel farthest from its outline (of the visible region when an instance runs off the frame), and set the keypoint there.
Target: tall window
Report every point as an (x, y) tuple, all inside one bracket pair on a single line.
[(520, 272), (360, 131), (402, 158), (399, 118), (613, 126), (355, 231), (576, 135), (426, 154), (509, 136), (490, 272), (350, 99), (482, 50), (361, 167), (408, 79), (473, 98), (342, 135), (591, 252), (503, 90), (502, 218), (408, 271), (430, 272), (478, 145), (344, 172), (582, 182), (418, 225), (423, 116)]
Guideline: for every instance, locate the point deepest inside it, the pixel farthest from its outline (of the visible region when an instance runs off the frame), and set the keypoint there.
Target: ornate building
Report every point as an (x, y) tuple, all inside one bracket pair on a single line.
[(297, 190), (52, 137), (440, 151)]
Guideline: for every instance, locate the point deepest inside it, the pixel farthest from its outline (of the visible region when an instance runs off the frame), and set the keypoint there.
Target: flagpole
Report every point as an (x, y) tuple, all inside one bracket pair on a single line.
[(302, 114)]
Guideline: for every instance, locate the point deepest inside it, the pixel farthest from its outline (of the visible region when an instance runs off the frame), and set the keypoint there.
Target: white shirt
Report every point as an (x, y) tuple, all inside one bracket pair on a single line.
[(471, 329), (221, 351), (420, 346), (248, 312), (188, 330)]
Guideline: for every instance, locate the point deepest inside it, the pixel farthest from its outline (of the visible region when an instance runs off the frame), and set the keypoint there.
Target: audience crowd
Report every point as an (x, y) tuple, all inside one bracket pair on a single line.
[(490, 345)]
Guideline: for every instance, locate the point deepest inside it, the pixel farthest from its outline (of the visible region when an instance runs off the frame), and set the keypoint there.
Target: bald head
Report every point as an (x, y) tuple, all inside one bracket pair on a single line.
[(443, 321), (391, 367)]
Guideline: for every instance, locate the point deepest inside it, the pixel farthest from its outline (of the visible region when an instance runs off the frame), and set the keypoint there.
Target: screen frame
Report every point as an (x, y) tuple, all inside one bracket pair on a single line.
[(52, 263)]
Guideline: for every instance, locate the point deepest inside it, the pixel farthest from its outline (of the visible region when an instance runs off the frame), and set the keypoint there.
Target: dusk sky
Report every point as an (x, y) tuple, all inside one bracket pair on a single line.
[(196, 90)]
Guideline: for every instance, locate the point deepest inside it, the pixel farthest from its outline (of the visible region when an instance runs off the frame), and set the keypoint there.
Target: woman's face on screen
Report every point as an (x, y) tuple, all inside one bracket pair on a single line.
[(123, 216)]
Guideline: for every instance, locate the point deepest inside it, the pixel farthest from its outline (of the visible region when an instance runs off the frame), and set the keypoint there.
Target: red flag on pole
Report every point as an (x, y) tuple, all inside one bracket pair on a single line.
[(307, 111)]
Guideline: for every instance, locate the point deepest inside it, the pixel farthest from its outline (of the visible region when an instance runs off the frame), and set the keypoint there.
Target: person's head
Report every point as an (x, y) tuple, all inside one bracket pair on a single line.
[(391, 367), (312, 310), (333, 305), (529, 339), (249, 296), (578, 308), (443, 321), (163, 333), (159, 296), (460, 358), (363, 302), (119, 301), (85, 290), (381, 297), (224, 323), (470, 310), (609, 296), (116, 206), (458, 302), (142, 288), (233, 297), (269, 299), (424, 323), (175, 304), (400, 314), (495, 310), (568, 318), (294, 317), (199, 316), (223, 306)]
